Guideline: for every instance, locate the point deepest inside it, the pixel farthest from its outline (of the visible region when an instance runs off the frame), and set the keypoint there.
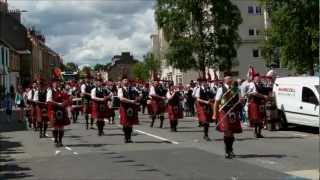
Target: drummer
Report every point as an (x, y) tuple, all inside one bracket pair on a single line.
[(256, 105)]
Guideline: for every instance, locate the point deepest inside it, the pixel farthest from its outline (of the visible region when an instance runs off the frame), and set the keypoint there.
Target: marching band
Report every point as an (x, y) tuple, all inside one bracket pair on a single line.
[(221, 102)]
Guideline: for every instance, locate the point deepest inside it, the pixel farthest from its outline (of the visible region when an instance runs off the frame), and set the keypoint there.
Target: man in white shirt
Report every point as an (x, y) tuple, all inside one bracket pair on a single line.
[(128, 110), (224, 125), (158, 96)]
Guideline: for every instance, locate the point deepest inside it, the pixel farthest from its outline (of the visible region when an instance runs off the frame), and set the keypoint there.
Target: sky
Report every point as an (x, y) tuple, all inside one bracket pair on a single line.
[(91, 31)]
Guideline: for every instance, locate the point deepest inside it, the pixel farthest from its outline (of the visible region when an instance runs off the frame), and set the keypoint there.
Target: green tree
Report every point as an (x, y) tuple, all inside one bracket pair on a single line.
[(99, 67), (294, 33), (141, 71), (70, 66), (200, 33), (226, 18), (151, 63)]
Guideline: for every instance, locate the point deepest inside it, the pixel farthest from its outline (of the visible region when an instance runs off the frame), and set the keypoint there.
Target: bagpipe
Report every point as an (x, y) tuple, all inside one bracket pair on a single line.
[(60, 113), (229, 113)]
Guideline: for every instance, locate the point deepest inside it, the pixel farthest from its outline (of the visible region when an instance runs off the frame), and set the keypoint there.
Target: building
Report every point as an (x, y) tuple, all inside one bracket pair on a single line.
[(13, 37), (121, 65), (29, 57), (251, 31), (159, 49)]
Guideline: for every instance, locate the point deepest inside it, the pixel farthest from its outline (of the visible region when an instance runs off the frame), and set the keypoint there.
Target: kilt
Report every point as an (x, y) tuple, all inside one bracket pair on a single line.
[(76, 105), (229, 122), (54, 111), (87, 106), (204, 113), (256, 112), (42, 112), (157, 106), (175, 112), (128, 114), (100, 110)]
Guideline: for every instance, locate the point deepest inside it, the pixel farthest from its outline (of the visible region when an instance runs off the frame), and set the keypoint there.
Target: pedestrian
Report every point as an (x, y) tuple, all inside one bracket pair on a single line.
[(204, 102), (129, 107), (256, 106), (174, 108), (57, 111), (20, 103), (8, 102), (42, 109), (87, 103), (158, 102), (227, 110), (100, 109)]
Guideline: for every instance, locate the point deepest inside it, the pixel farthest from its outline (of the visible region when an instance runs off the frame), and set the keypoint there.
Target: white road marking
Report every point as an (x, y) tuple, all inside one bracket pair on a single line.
[(309, 174), (75, 153), (68, 148), (52, 139), (157, 137), (266, 161), (154, 136), (57, 152)]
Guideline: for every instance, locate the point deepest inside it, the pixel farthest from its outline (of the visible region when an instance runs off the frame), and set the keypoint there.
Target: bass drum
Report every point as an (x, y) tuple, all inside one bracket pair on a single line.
[(115, 102)]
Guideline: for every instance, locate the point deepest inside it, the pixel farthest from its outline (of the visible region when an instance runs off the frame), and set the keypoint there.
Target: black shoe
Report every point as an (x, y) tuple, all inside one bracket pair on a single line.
[(260, 136), (228, 156), (206, 138), (232, 154), (60, 144), (130, 141)]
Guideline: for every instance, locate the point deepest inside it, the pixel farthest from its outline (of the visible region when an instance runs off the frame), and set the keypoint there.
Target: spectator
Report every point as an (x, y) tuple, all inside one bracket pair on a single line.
[(8, 102), (20, 103)]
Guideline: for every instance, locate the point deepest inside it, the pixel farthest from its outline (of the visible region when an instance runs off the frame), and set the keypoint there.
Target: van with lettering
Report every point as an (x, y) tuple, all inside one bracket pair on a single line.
[(297, 99)]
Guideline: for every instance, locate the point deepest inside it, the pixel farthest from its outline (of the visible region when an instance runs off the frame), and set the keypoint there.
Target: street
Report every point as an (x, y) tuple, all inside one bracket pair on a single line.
[(157, 153)]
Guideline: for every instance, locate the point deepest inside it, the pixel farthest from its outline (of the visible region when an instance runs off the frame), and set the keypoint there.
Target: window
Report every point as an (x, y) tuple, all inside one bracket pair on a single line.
[(179, 79), (258, 10), (251, 32), (2, 56), (255, 52), (308, 96), (250, 10), (257, 32)]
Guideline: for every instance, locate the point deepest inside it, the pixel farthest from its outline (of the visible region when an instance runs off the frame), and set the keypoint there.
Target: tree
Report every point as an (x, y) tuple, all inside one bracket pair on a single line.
[(141, 71), (99, 67), (294, 33), (200, 33), (151, 63), (70, 66), (226, 19)]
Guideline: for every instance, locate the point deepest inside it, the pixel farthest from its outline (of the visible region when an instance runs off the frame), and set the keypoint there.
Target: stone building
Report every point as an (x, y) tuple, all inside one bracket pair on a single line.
[(121, 64)]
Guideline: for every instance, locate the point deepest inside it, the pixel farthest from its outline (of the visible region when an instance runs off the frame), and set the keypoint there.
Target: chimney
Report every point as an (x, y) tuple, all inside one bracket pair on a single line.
[(16, 14), (3, 6)]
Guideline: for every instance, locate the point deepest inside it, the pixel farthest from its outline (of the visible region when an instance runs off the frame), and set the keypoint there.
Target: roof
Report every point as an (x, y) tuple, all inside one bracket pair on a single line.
[(311, 80)]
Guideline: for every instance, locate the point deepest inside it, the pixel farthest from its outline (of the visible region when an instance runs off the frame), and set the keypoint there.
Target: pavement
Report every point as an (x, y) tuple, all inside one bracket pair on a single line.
[(157, 153)]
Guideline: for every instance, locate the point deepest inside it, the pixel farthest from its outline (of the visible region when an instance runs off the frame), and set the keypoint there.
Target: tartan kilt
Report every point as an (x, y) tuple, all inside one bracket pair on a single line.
[(230, 123), (128, 114), (256, 112), (87, 107), (157, 106), (204, 112), (100, 110), (42, 112), (52, 114), (174, 112)]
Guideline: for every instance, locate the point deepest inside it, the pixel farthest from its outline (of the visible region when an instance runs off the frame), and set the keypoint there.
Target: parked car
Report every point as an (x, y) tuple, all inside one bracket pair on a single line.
[(297, 99)]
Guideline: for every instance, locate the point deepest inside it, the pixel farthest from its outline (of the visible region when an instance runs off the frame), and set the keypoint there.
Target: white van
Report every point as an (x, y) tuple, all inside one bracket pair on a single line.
[(297, 98)]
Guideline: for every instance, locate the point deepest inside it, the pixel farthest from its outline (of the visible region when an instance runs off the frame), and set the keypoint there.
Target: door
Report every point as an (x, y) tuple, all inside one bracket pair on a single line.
[(309, 107)]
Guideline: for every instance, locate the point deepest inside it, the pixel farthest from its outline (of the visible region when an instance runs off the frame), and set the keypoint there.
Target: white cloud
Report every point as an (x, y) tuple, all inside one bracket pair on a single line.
[(89, 32)]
